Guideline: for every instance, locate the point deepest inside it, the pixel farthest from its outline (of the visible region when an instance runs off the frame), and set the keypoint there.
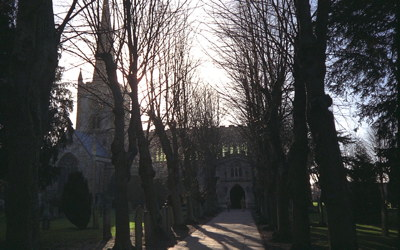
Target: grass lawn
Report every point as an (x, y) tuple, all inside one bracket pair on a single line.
[(63, 234), (368, 236)]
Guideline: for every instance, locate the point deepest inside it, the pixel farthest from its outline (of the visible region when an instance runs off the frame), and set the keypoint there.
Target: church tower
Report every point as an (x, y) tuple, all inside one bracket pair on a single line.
[(95, 102)]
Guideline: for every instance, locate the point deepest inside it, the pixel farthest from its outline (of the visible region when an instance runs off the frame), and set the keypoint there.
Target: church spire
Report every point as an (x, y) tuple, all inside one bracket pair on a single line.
[(104, 43), (80, 78), (94, 99), (81, 103)]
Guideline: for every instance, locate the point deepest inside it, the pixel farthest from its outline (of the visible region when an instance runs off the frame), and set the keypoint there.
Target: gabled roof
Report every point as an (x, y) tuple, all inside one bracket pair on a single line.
[(88, 140)]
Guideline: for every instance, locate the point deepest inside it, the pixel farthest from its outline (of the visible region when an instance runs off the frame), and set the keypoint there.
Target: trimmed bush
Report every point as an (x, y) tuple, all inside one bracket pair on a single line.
[(76, 200)]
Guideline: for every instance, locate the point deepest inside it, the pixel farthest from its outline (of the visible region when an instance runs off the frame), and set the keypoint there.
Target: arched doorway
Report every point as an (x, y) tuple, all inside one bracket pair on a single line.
[(237, 194)]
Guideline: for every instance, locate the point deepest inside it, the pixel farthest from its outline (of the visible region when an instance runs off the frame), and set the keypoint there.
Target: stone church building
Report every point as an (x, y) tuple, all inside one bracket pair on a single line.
[(90, 153)]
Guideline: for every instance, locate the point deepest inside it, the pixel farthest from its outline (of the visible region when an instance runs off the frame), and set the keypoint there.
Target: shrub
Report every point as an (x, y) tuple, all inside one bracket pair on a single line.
[(76, 200)]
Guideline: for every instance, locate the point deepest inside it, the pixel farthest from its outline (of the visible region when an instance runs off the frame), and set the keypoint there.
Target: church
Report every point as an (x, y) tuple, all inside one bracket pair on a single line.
[(90, 154)]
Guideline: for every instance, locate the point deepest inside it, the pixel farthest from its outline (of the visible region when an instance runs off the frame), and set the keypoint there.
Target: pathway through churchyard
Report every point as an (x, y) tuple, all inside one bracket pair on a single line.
[(229, 230)]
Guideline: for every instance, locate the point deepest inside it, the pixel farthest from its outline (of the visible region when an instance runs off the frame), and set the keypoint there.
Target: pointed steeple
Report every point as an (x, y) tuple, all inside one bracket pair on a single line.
[(104, 42), (80, 78), (99, 117), (81, 103), (94, 98), (105, 39)]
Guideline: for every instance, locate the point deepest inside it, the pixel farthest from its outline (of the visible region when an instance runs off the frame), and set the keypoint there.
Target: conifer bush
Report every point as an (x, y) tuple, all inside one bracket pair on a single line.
[(76, 200)]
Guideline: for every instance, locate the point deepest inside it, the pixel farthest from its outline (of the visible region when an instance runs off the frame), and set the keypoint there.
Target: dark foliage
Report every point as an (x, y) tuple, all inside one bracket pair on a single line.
[(59, 130), (363, 51), (365, 190), (364, 47), (392, 158), (7, 29), (60, 103), (76, 200)]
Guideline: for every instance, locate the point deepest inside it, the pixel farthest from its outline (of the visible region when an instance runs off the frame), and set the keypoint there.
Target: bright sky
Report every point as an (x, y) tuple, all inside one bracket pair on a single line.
[(208, 72), (344, 112)]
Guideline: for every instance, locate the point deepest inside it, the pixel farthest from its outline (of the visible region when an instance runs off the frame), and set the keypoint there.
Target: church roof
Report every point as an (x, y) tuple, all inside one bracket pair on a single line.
[(88, 140)]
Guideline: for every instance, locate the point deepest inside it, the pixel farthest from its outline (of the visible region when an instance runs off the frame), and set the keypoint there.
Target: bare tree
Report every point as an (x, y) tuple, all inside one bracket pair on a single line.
[(205, 120), (256, 45), (129, 38), (146, 22), (170, 79), (298, 161)]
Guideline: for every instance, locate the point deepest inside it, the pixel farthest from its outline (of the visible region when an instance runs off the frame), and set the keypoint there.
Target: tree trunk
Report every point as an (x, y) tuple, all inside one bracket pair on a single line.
[(299, 176), (146, 170), (22, 208), (31, 75), (119, 158), (384, 220), (283, 232), (122, 230), (190, 209), (397, 72), (106, 220), (147, 173), (312, 58), (384, 212), (136, 136), (271, 206), (211, 200), (189, 176), (321, 210), (173, 171), (278, 166)]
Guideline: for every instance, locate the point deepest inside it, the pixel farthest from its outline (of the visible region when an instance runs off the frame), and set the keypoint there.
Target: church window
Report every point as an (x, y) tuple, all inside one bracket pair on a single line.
[(160, 156), (163, 157), (95, 122), (231, 149), (224, 150), (232, 172), (244, 149), (240, 172)]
